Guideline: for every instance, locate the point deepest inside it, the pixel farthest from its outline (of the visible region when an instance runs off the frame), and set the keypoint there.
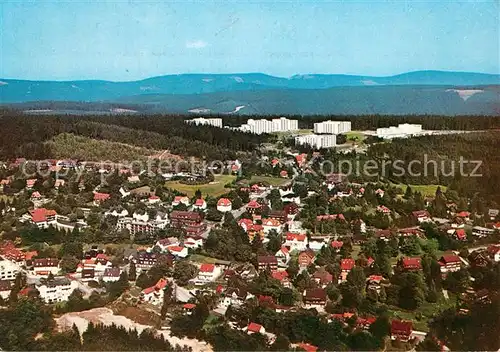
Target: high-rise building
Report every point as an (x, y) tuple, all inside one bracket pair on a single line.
[(401, 131), (332, 127), (269, 126), (216, 122), (317, 141)]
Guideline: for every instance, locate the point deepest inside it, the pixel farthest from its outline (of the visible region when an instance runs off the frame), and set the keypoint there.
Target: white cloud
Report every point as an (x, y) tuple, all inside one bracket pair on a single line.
[(196, 44)]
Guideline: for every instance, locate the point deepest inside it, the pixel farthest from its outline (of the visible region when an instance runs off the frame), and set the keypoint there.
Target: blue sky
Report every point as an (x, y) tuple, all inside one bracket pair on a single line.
[(128, 40)]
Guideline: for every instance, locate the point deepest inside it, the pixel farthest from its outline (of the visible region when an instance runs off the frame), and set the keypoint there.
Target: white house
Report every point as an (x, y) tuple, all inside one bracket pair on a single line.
[(56, 290), (283, 256), (140, 217), (154, 294), (180, 200), (224, 205), (296, 241), (272, 224), (8, 269), (208, 273), (178, 251), (119, 214), (164, 243), (235, 297), (124, 192), (494, 252), (200, 204), (111, 274), (154, 200), (4, 289), (193, 242)]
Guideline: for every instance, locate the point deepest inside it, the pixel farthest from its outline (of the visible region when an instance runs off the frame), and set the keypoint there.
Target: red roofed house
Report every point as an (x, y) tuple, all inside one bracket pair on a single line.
[(421, 216), (284, 173), (30, 183), (200, 204), (36, 195), (464, 215), (45, 266), (306, 258), (283, 256), (330, 217), (411, 264), (191, 222), (272, 224), (282, 276), (180, 200), (154, 199), (154, 294), (100, 197), (337, 245), (450, 263), (383, 209), (253, 206), (178, 251), (254, 328), (494, 252), (401, 330), (255, 230), (460, 234), (296, 241), (245, 223), (307, 347), (42, 217), (322, 277), (346, 266), (208, 273), (188, 308), (301, 159), (224, 205)]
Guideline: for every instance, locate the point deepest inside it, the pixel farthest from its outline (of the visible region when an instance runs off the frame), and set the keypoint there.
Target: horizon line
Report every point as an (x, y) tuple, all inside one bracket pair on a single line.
[(247, 73)]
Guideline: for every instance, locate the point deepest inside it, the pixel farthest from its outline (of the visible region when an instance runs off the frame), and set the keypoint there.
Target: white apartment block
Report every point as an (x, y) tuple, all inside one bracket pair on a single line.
[(332, 127), (401, 131), (8, 269), (269, 126), (317, 141), (216, 122), (56, 290)]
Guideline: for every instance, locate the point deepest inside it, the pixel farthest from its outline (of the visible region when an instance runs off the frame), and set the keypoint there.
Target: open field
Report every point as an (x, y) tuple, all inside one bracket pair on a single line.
[(214, 189), (425, 190), (273, 181)]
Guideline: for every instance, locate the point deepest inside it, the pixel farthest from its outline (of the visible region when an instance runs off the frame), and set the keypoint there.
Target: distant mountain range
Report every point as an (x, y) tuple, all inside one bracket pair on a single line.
[(420, 92)]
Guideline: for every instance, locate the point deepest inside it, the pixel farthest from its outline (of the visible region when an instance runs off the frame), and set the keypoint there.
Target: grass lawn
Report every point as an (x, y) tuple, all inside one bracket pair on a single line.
[(273, 181), (214, 189), (282, 135), (426, 312), (356, 135), (356, 249), (198, 258), (425, 190)]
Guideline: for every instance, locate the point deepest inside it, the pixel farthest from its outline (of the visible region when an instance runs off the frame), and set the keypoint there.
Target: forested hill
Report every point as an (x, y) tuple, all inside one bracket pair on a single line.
[(420, 92)]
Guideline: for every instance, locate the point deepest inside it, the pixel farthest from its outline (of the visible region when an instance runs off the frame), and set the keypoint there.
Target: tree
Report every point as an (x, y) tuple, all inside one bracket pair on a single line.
[(282, 343), (167, 300), (293, 268), (69, 264), (117, 288), (14, 291), (183, 272), (132, 271)]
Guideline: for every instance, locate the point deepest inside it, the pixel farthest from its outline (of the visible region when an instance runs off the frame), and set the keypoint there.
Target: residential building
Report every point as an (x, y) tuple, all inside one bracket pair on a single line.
[(224, 205), (296, 242), (283, 256), (180, 200), (480, 231), (266, 126), (191, 222), (234, 296), (332, 127), (346, 265), (317, 141), (46, 266), (272, 224), (111, 274), (401, 330), (178, 251), (306, 258), (282, 276), (5, 289), (411, 263), (100, 197), (200, 204), (421, 216), (401, 131), (145, 261), (322, 277), (193, 242), (8, 269), (450, 263), (254, 328), (42, 217), (154, 294), (56, 290), (494, 252), (208, 273), (265, 261), (314, 298), (200, 121)]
